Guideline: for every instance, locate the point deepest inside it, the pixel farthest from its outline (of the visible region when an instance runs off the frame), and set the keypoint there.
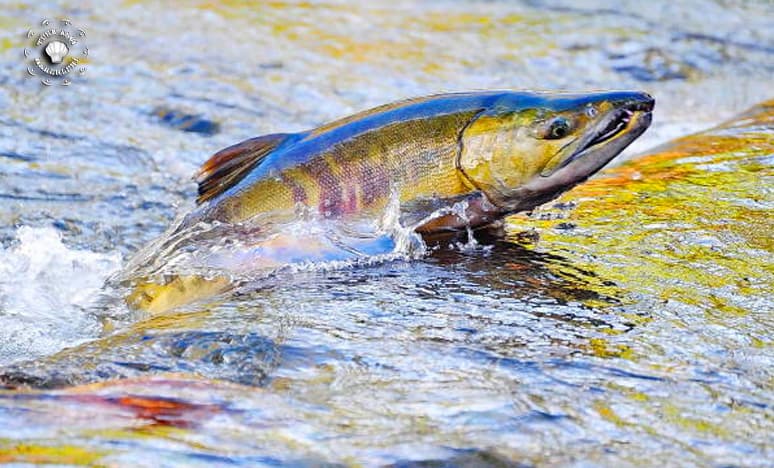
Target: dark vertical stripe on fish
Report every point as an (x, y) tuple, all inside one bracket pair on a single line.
[(299, 192), (331, 201), (374, 182), (350, 205)]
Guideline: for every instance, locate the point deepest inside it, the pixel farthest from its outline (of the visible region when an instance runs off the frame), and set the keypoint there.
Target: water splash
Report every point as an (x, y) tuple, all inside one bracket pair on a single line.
[(194, 261), (46, 290)]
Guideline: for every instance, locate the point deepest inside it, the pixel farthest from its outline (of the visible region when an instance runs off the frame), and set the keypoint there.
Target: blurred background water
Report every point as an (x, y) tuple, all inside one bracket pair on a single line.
[(628, 323)]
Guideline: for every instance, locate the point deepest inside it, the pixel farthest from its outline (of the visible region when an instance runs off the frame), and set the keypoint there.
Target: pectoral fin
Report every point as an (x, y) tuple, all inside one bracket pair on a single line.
[(228, 166)]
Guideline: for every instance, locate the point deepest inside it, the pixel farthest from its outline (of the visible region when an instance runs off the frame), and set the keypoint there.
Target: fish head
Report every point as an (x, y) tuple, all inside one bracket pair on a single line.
[(527, 148)]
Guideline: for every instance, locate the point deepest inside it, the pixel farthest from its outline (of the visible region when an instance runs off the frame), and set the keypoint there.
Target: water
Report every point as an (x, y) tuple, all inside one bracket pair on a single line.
[(628, 323)]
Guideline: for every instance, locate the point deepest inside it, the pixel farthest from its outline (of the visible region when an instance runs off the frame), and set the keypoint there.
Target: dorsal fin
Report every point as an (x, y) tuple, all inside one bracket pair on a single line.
[(229, 165)]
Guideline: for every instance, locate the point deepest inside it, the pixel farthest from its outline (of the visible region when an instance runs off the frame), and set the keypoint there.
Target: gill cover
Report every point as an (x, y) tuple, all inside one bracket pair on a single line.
[(500, 151)]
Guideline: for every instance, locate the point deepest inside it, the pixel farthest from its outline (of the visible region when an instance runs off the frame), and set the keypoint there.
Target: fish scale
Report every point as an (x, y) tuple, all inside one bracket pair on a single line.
[(370, 165)]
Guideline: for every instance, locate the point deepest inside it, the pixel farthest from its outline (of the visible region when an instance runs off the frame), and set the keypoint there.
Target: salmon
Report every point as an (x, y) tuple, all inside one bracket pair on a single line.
[(441, 163)]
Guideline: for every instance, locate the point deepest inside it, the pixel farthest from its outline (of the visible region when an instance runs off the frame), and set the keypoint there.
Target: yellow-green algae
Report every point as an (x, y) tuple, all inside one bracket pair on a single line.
[(37, 453)]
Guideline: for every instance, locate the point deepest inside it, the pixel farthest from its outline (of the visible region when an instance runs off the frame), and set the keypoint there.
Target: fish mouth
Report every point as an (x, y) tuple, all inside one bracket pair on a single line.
[(613, 133)]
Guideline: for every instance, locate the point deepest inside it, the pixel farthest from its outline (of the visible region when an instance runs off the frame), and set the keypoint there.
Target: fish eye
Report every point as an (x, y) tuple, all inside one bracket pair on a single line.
[(556, 129)]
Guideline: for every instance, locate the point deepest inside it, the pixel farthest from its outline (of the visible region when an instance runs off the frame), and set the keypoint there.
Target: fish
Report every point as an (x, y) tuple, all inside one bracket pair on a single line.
[(439, 164), (502, 151)]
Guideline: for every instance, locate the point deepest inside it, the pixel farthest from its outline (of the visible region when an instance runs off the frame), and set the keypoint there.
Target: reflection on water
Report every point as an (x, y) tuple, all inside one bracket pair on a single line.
[(529, 290), (627, 323)]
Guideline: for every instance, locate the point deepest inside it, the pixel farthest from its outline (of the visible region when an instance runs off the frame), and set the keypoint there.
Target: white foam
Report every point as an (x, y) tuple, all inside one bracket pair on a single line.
[(46, 289)]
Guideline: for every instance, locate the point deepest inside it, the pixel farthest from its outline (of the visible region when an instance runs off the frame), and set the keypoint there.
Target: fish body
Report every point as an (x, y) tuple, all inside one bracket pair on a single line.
[(417, 151)]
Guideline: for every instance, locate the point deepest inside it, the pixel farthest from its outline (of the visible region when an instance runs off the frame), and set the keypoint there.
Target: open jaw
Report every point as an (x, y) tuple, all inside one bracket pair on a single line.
[(624, 124), (595, 149)]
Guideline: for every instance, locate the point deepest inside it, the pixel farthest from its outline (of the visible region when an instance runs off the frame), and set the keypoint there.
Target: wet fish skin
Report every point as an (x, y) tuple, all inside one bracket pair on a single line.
[(450, 162), (490, 148), (352, 166)]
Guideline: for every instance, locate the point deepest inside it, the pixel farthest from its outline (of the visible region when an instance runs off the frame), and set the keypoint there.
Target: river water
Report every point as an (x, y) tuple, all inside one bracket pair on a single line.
[(628, 323)]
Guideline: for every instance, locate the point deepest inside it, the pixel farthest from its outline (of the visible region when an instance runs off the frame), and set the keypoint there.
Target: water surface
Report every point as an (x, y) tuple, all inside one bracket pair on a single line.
[(628, 323)]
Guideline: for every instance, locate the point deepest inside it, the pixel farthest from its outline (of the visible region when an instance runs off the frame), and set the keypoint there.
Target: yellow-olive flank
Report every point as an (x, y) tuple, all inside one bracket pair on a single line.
[(500, 151)]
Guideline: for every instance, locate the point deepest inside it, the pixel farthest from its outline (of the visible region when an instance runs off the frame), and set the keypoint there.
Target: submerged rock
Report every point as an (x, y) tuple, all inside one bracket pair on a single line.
[(186, 122)]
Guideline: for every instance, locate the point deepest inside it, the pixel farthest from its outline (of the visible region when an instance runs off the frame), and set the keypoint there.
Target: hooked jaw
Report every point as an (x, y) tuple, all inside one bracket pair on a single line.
[(629, 117), (634, 116)]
